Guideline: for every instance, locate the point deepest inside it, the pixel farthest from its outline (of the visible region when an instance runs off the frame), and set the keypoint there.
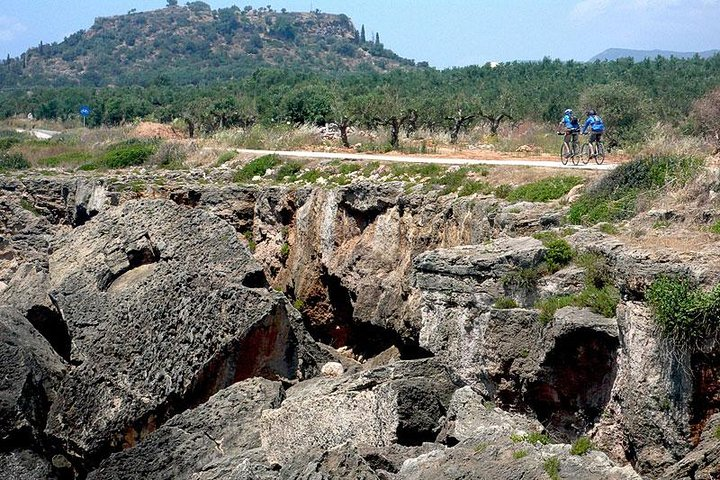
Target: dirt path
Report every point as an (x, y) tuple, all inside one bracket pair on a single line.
[(515, 162)]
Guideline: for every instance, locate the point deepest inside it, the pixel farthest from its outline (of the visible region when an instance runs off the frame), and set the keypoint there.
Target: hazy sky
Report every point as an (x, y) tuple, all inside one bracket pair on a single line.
[(445, 33)]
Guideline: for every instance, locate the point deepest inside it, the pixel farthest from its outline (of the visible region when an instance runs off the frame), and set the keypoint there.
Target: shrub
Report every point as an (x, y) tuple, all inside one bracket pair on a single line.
[(558, 253), (256, 167), (544, 190), (524, 278), (504, 303), (532, 437), (7, 142), (685, 313), (552, 468), (602, 301), (581, 446), (128, 154), (597, 272), (614, 196), (472, 187), (289, 171), (347, 168), (13, 161)]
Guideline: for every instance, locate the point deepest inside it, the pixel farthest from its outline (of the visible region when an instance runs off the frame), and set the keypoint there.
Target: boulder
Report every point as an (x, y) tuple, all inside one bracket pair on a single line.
[(25, 465), (400, 403), (32, 372), (217, 440), (165, 307)]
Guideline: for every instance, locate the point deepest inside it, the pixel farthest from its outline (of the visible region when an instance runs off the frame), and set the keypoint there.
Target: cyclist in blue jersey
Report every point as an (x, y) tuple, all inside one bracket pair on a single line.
[(597, 128), (571, 127)]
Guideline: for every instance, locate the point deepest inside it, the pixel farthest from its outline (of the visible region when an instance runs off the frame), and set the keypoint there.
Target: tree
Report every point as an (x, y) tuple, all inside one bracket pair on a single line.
[(377, 39), (624, 109), (385, 107), (172, 3), (362, 34), (705, 115), (309, 104)]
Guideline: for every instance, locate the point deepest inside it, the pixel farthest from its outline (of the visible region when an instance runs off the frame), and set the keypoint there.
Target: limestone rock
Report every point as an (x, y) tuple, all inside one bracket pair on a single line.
[(32, 372), (703, 463), (165, 307), (469, 416), (332, 369), (400, 403), (214, 440), (25, 465)]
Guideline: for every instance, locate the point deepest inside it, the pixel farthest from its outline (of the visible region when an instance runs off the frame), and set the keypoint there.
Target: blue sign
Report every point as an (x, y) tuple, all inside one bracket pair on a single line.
[(85, 110)]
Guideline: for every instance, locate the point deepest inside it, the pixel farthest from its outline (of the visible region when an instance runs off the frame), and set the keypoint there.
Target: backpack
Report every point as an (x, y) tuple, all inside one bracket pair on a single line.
[(597, 124)]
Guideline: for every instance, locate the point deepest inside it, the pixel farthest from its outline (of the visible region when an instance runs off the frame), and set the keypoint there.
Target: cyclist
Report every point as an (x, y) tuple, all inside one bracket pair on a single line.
[(597, 127), (572, 127)]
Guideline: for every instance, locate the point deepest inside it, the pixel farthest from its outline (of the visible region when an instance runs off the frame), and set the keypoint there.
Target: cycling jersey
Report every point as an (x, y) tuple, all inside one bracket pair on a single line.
[(595, 123)]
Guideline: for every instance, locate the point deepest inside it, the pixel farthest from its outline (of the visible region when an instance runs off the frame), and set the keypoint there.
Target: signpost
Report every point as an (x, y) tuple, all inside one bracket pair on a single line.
[(85, 112)]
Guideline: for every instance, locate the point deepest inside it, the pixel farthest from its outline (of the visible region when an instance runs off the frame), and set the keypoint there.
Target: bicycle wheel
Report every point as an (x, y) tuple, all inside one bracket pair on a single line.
[(585, 153), (600, 157), (575, 154), (564, 153)]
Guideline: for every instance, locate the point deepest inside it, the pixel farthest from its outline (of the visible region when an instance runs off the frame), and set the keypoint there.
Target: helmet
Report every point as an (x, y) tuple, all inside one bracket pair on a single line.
[(568, 112), (591, 112)]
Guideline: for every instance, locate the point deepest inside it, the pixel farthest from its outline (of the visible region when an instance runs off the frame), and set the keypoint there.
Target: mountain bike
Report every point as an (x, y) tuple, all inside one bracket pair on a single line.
[(599, 155), (570, 150)]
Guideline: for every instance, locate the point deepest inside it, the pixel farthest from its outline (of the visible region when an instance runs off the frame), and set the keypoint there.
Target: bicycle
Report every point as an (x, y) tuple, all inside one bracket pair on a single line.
[(599, 155), (568, 151)]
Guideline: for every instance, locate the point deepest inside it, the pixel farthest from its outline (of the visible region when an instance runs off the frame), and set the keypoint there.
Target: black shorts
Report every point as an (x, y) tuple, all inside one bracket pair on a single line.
[(595, 137), (571, 134)]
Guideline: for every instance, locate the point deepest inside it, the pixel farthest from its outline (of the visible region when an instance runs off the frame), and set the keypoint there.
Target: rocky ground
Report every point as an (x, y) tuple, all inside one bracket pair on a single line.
[(209, 330)]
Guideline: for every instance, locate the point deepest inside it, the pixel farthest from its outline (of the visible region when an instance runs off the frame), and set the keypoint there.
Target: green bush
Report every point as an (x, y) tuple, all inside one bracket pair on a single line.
[(581, 446), (684, 312), (614, 197), (558, 253), (471, 187), (504, 303), (128, 154), (715, 227), (7, 142), (256, 168), (288, 171), (544, 190), (13, 161)]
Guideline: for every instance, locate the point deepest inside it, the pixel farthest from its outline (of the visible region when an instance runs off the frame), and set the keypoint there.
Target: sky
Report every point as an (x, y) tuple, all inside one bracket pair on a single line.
[(445, 33)]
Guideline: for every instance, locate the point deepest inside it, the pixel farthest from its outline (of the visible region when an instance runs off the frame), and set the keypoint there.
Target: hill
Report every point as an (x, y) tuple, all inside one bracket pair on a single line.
[(195, 44), (640, 55)]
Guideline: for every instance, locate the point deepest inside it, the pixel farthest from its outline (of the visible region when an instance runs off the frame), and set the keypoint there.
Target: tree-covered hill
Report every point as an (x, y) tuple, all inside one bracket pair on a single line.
[(193, 44)]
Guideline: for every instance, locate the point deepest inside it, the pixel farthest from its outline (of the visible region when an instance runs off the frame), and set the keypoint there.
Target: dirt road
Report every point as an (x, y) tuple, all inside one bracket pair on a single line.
[(516, 162)]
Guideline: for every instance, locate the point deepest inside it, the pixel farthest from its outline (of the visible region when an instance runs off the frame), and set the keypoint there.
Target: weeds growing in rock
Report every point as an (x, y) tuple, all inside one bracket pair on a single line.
[(481, 447), (552, 468), (549, 306), (518, 454), (716, 433), (288, 171), (532, 437), (250, 241), (686, 314), (581, 446), (299, 304), (504, 303), (27, 205)]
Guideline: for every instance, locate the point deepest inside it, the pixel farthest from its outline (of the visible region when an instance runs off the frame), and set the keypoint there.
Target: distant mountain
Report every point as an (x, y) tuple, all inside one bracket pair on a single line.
[(195, 44), (640, 55)]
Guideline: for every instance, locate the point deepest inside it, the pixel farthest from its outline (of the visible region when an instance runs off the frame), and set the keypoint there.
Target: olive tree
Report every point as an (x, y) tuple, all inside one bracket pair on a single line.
[(705, 115)]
